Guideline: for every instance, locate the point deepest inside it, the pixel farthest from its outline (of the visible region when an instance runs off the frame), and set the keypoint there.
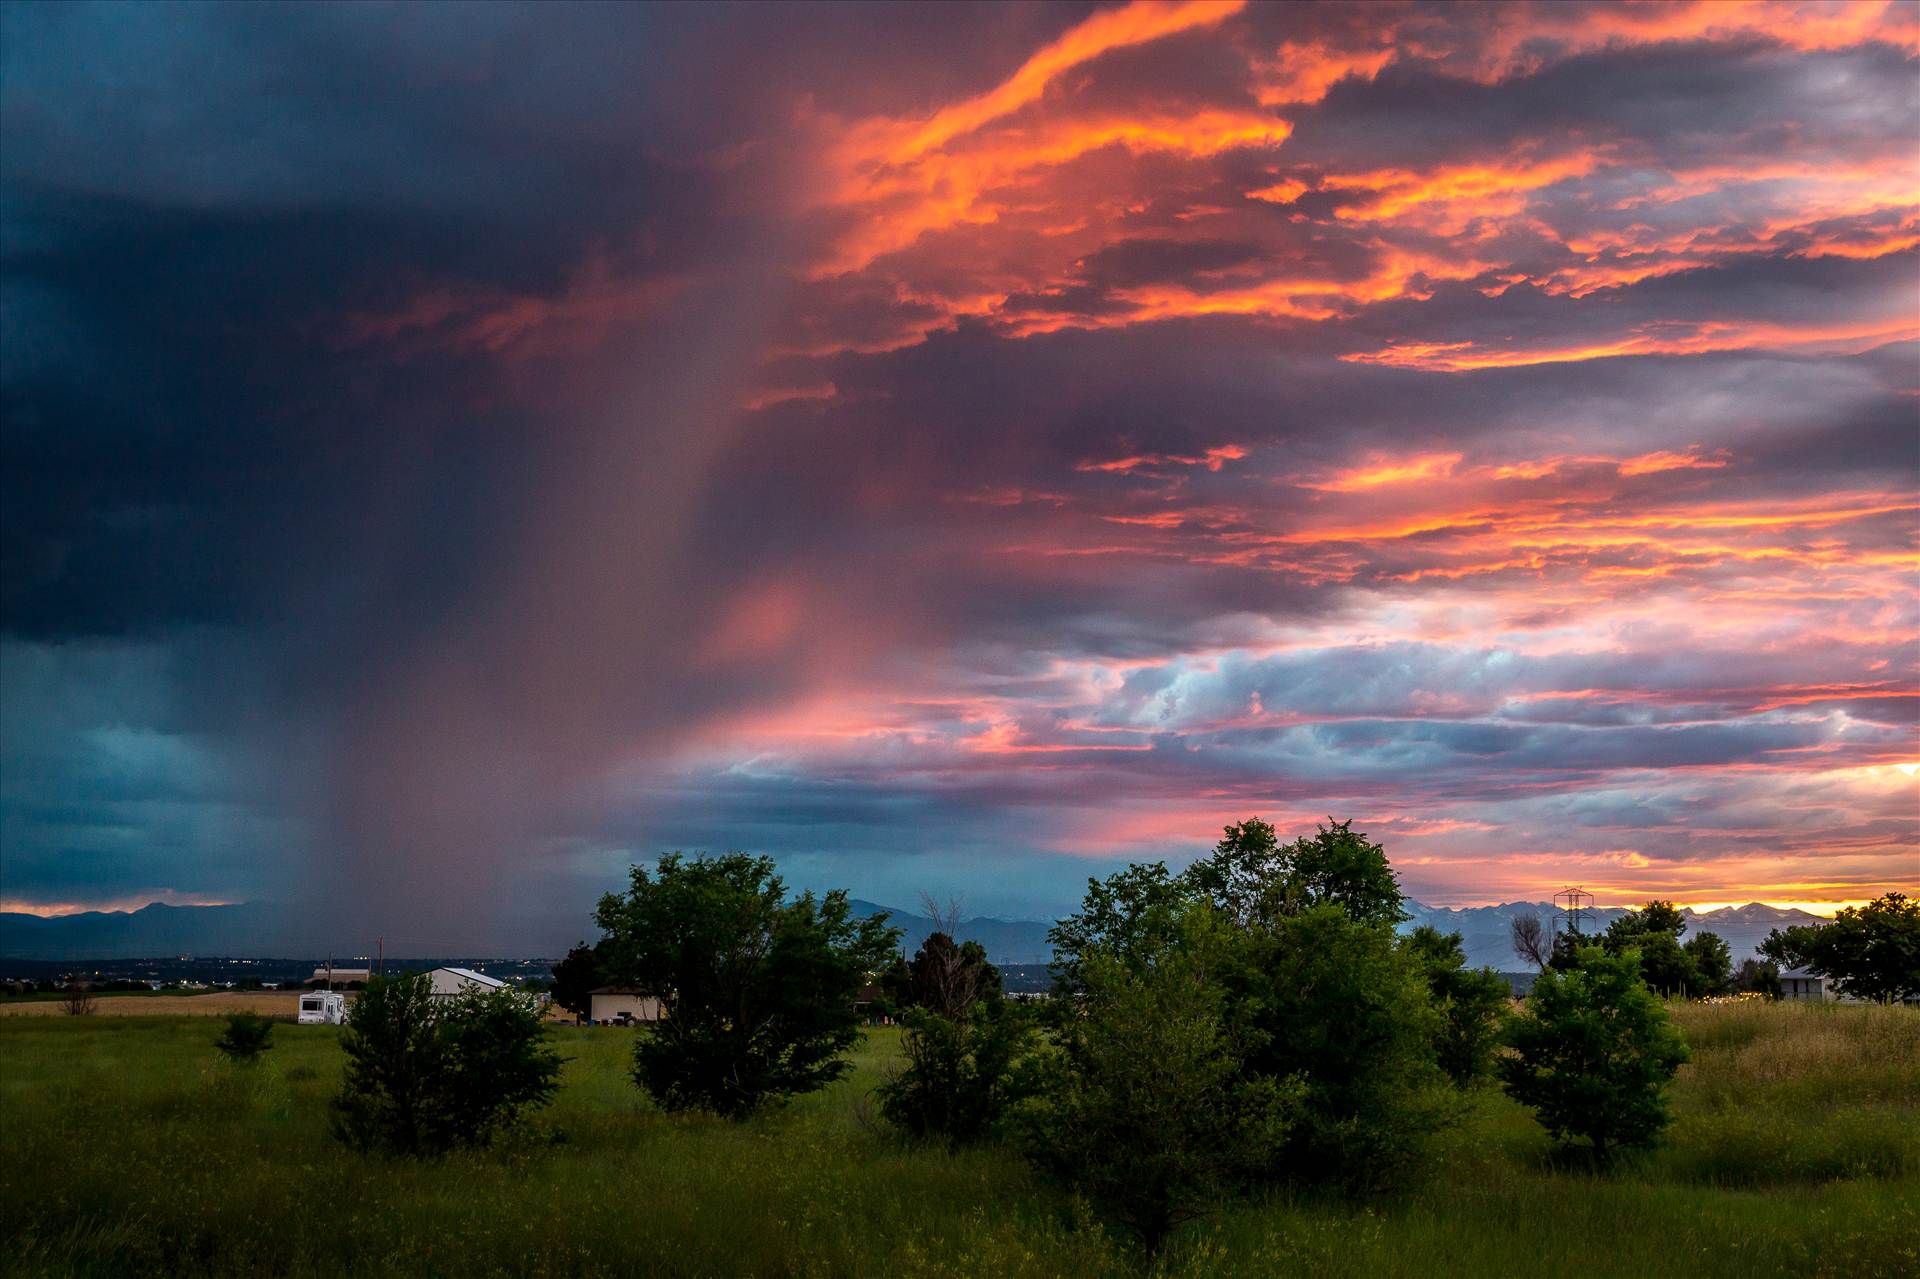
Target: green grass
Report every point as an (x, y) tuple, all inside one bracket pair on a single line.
[(128, 1147)]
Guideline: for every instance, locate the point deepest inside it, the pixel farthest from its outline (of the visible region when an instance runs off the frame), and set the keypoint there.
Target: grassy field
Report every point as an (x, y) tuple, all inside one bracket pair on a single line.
[(127, 1147), (212, 1003)]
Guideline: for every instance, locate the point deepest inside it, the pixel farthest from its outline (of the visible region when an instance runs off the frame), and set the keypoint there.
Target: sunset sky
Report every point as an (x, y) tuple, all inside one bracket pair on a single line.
[(452, 453)]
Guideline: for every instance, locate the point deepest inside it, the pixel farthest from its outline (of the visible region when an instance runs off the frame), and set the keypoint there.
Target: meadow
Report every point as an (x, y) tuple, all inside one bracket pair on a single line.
[(128, 1147)]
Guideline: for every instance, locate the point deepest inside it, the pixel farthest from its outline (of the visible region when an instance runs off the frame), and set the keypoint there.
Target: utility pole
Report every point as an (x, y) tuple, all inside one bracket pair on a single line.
[(380, 952)]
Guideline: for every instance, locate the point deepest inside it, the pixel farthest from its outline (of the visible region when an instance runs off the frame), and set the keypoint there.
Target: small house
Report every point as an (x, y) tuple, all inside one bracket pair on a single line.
[(1798, 983), (448, 983), (622, 1003)]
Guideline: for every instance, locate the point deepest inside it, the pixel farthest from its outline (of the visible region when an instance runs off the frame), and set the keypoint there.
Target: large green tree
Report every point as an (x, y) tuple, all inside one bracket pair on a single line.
[(1701, 966), (1872, 952), (1150, 1111), (1253, 877), (1311, 978), (758, 990), (1472, 1003), (1593, 1053)]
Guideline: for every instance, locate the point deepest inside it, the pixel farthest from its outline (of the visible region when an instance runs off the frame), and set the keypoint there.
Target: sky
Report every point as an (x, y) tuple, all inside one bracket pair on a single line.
[(453, 453)]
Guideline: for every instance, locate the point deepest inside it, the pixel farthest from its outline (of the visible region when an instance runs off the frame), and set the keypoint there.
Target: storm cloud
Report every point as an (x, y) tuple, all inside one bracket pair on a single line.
[(451, 453)]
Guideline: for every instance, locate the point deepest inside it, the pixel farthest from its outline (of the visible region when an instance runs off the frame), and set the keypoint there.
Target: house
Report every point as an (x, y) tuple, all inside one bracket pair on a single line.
[(450, 982), (622, 1003), (1798, 983)]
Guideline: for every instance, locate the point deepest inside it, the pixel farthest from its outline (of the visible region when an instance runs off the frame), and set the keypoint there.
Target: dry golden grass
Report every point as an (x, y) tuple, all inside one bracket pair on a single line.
[(1757, 1043), (268, 1003)]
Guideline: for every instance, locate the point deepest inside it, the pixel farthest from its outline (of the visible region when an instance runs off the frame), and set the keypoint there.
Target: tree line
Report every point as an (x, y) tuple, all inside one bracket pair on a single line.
[(1253, 1022)]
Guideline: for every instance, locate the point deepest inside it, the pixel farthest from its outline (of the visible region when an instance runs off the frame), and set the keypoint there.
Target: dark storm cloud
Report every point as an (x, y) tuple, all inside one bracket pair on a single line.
[(480, 445)]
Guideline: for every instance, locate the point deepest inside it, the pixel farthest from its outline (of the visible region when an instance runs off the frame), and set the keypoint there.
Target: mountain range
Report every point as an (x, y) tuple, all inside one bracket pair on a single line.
[(266, 930)]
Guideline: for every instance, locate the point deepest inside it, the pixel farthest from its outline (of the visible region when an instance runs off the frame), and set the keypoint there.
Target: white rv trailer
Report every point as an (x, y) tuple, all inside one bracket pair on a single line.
[(322, 1008)]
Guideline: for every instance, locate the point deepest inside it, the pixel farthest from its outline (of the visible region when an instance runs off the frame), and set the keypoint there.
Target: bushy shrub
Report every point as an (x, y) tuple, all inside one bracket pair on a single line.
[(425, 1074), (1593, 1053), (962, 1077), (247, 1035), (1319, 994), (1148, 1110), (1472, 1004), (1337, 1004)]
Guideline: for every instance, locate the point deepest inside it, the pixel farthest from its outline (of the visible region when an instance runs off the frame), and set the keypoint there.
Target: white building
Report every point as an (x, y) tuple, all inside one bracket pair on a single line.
[(1798, 983), (323, 1008), (622, 1003), (450, 982)]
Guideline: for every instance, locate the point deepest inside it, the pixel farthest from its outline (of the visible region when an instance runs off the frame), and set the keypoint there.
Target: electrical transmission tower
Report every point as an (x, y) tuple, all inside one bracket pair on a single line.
[(1578, 902)]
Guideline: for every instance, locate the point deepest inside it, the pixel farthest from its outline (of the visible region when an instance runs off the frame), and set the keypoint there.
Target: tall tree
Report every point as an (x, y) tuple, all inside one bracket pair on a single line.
[(1151, 1113), (575, 978), (1253, 878), (758, 991), (1472, 1003), (1872, 952)]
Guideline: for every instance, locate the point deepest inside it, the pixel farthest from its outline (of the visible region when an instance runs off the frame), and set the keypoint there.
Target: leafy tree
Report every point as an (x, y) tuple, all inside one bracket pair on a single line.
[(1530, 943), (758, 991), (1872, 952), (1336, 1004), (1593, 1053), (575, 978), (1252, 877), (1756, 976), (1654, 932), (964, 1044), (247, 1035), (1148, 1110), (1712, 964), (1472, 1004), (963, 1075), (1126, 914), (425, 1074), (501, 1063)]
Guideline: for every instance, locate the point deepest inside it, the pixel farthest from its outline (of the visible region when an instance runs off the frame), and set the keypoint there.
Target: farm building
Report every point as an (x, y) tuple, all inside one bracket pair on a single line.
[(449, 982), (618, 1003), (1798, 983), (341, 976)]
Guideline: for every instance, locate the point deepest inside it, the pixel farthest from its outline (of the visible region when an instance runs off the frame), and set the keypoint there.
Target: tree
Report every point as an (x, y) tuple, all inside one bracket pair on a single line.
[(1472, 1004), (963, 1076), (1593, 1053), (1872, 952), (948, 979), (758, 992), (1252, 877), (1335, 1003), (502, 1064), (575, 978), (1530, 942), (1127, 914), (1148, 1111), (76, 998), (1756, 976), (425, 1074), (1712, 962), (1654, 932), (247, 1035)]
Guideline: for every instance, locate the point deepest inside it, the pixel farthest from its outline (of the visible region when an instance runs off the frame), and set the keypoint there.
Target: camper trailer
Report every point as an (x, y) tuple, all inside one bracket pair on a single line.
[(322, 1008)]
